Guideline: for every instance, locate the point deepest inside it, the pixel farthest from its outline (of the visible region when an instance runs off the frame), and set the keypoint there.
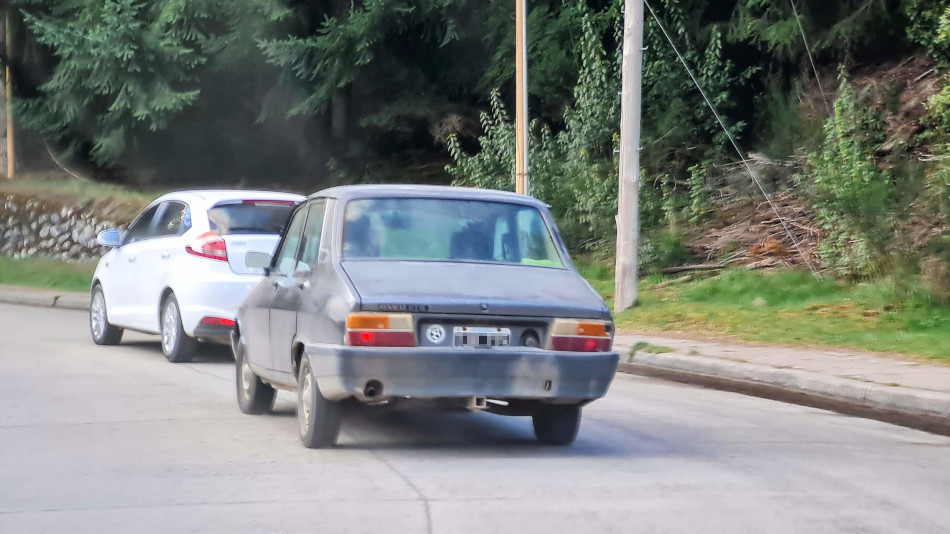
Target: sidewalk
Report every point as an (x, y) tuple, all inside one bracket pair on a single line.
[(891, 388)]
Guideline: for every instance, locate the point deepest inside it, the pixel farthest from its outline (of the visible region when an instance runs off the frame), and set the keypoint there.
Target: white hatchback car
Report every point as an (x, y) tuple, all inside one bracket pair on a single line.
[(180, 271)]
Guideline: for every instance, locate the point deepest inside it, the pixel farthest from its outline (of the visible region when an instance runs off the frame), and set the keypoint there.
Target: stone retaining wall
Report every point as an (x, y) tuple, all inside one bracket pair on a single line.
[(31, 227)]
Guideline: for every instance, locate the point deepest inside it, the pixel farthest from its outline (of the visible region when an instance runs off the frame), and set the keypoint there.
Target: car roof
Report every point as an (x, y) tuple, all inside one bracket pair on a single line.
[(214, 196), (351, 192)]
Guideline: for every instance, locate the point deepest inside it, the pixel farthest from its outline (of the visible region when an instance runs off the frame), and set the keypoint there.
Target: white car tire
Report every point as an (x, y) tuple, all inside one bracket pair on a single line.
[(177, 346), (103, 333)]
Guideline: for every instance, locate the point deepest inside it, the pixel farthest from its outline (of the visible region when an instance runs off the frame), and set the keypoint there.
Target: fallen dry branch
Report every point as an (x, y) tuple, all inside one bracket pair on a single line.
[(689, 268), (669, 283)]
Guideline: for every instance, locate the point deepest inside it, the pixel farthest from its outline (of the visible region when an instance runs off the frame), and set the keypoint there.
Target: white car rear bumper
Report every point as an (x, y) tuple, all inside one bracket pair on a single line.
[(212, 295)]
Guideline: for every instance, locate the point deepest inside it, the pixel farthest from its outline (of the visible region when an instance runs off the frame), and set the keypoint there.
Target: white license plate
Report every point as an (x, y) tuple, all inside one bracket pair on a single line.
[(481, 337)]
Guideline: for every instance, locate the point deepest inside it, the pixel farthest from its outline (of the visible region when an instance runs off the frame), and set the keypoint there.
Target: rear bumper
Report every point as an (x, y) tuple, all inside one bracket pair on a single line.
[(211, 296), (343, 371), (220, 334)]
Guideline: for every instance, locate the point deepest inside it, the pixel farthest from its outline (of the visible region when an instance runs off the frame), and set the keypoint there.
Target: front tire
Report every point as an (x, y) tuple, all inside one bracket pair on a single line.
[(319, 419), (254, 396), (103, 333), (177, 346), (557, 424)]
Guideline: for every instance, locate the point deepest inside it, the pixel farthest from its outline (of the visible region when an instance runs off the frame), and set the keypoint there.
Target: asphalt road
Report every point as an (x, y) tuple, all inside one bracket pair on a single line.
[(115, 439)]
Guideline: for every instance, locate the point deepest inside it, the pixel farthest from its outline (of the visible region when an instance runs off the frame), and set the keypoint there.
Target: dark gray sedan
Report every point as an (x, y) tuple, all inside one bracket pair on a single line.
[(457, 298)]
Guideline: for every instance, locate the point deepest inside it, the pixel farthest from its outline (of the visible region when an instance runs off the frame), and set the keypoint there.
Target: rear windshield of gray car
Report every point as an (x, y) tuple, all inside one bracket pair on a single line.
[(428, 229), (250, 217)]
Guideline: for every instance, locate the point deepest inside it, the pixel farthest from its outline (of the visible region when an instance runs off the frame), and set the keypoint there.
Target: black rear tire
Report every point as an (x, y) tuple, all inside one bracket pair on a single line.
[(556, 424), (319, 418), (178, 347), (103, 333), (254, 396)]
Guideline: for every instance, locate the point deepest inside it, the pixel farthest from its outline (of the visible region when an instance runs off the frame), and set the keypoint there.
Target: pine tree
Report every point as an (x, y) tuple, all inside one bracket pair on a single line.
[(126, 67)]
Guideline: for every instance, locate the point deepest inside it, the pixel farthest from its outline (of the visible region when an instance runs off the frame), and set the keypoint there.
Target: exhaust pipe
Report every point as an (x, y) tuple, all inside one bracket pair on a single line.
[(373, 389), (477, 403)]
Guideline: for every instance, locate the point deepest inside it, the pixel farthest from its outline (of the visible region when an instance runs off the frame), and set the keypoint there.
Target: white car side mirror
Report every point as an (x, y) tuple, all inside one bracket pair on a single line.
[(257, 260), (109, 238)]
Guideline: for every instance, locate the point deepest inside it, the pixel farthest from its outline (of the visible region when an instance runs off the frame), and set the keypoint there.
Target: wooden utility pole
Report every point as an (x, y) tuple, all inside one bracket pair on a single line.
[(628, 204), (522, 172), (11, 152)]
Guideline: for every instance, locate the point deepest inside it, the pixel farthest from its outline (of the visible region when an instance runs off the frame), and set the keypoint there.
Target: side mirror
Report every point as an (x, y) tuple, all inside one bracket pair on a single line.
[(257, 260), (109, 238)]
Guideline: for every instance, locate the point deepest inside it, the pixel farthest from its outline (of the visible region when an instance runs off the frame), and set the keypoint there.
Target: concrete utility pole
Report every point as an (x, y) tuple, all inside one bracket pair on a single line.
[(11, 152), (628, 205), (522, 173)]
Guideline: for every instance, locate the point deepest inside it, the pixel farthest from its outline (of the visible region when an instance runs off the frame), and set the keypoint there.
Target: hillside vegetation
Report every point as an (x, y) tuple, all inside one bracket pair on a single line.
[(305, 94)]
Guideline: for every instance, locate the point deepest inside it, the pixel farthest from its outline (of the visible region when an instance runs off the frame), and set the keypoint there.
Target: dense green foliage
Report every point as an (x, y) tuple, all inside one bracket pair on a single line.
[(575, 168), (301, 94), (851, 196), (120, 67)]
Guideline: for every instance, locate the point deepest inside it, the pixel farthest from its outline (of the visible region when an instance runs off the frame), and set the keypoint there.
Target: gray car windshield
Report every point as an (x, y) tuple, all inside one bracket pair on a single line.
[(429, 229)]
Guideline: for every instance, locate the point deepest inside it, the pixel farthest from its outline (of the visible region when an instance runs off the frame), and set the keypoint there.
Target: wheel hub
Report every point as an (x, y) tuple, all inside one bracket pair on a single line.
[(98, 315), (169, 327), (246, 378), (306, 401)]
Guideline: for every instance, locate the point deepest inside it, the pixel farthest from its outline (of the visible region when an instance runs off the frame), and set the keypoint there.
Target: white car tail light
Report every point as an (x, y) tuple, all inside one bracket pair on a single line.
[(209, 245), (380, 330)]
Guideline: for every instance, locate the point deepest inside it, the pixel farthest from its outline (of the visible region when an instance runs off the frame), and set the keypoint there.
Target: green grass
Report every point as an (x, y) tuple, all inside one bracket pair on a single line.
[(112, 200), (46, 273), (790, 307)]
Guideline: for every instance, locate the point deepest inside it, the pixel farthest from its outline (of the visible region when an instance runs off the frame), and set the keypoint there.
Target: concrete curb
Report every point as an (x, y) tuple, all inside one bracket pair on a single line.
[(922, 409), (44, 298)]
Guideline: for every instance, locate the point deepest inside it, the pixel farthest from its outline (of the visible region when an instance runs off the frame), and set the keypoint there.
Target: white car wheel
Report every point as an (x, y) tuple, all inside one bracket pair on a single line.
[(176, 345), (102, 332)]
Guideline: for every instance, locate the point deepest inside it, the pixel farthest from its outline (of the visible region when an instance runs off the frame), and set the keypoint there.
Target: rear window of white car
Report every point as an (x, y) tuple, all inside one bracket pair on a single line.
[(250, 216)]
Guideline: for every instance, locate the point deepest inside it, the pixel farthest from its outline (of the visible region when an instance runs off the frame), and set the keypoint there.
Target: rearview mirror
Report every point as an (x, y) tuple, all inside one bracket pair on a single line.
[(109, 238), (257, 260)]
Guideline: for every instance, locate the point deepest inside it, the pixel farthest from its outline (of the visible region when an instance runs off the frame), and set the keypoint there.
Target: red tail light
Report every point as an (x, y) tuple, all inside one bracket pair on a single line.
[(381, 339), (217, 321), (209, 245), (580, 344), (579, 336), (269, 202), (380, 330)]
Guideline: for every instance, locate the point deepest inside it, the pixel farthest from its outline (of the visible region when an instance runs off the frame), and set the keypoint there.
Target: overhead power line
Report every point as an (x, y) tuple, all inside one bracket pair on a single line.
[(732, 140), (811, 59)]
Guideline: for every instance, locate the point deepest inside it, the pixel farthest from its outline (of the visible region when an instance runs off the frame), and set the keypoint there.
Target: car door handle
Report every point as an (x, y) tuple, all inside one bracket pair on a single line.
[(131, 259), (166, 253), (305, 285)]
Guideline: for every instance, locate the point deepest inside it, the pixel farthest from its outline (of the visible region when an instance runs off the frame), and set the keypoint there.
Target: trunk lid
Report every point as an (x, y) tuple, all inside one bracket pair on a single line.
[(473, 288), (240, 244)]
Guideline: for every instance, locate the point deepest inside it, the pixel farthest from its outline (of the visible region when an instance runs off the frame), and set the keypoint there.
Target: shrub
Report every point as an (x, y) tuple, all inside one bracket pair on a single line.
[(664, 249), (851, 196), (929, 26)]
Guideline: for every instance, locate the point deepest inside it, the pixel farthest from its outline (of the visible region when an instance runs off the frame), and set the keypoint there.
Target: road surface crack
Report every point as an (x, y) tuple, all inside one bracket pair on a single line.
[(422, 496)]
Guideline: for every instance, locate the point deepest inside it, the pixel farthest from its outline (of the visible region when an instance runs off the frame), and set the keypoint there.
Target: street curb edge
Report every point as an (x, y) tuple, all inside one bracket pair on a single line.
[(922, 410)]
